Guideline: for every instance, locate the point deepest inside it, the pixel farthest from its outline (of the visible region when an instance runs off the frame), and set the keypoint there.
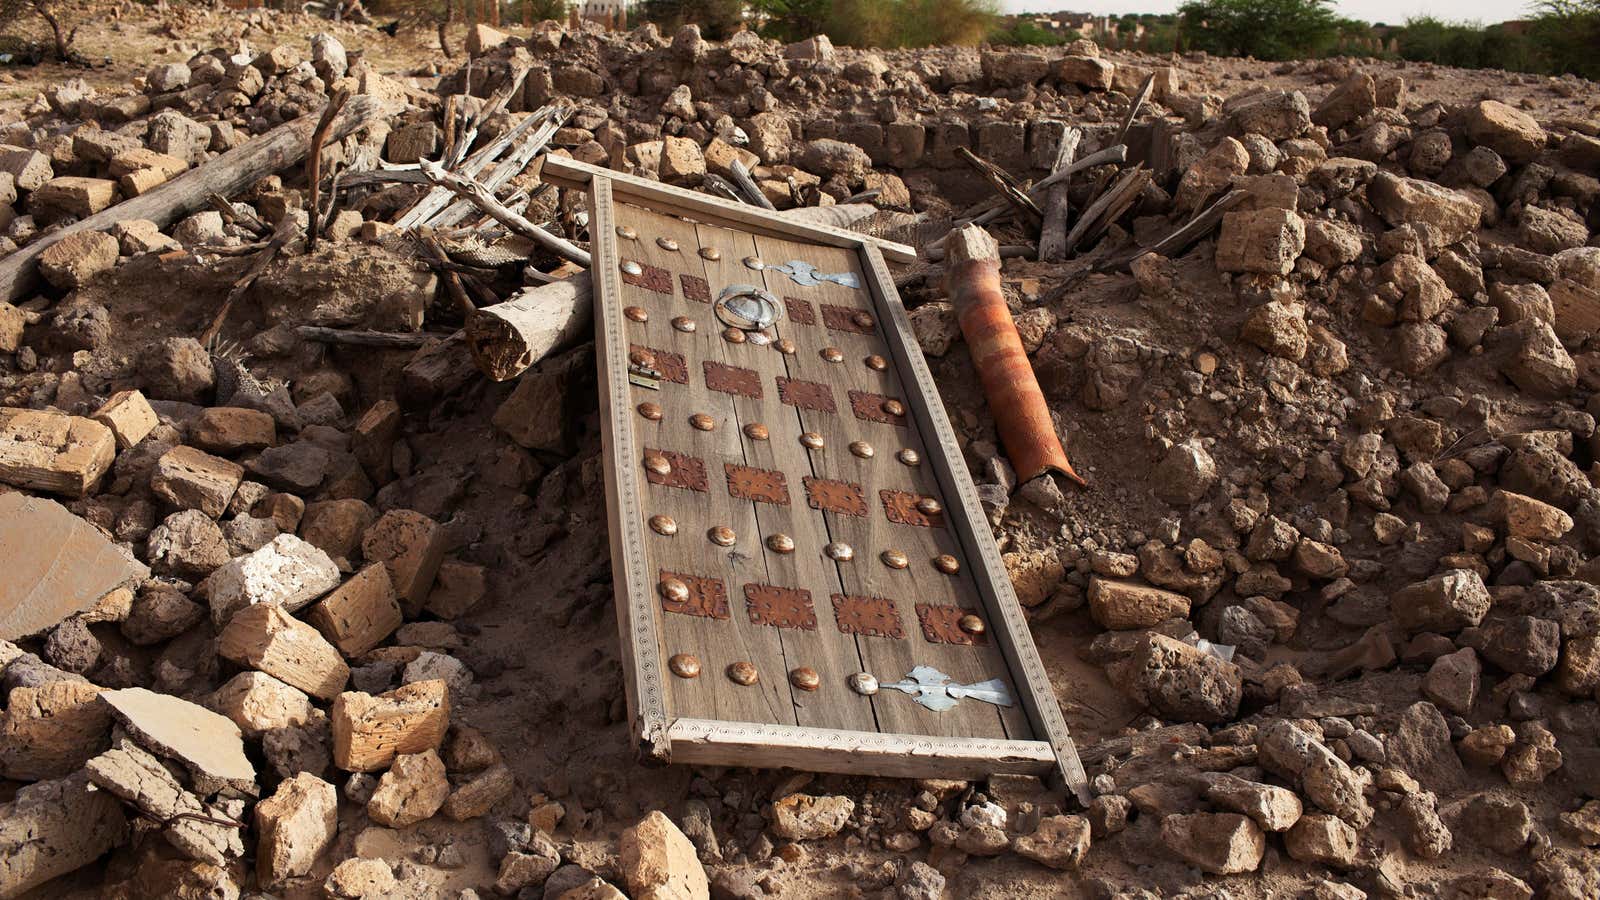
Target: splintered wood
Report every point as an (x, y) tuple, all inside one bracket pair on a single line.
[(804, 577)]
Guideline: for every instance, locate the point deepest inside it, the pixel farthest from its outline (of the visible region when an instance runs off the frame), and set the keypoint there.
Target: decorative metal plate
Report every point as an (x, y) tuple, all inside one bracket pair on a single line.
[(687, 472), (806, 394), (901, 508), (733, 380), (843, 318), (708, 597), (760, 485), (835, 496), (941, 624), (871, 616), (800, 311), (869, 406), (671, 365), (652, 278), (780, 607), (695, 288)]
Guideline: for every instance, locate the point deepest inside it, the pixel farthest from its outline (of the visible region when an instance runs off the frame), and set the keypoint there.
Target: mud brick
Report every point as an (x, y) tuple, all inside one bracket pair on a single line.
[(733, 380), (688, 472), (370, 731), (846, 318), (54, 452), (760, 485), (943, 140), (695, 288), (129, 416), (652, 278), (835, 496), (800, 311), (871, 616), (51, 730), (412, 546), (69, 263), (671, 365), (941, 624), (71, 195), (53, 827), (373, 439), (708, 597), (360, 614), (458, 588), (869, 407), (269, 640), (780, 607), (230, 429), (901, 508), (194, 479), (806, 394), (1002, 143)]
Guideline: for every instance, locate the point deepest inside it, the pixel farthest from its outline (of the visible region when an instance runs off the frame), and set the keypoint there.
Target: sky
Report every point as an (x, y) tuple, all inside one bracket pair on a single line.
[(1392, 12)]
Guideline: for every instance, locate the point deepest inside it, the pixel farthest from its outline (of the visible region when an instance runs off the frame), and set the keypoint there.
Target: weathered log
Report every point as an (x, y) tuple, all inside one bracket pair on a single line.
[(746, 183), (1181, 237), (228, 174), (507, 338), (484, 199), (388, 340), (1053, 232)]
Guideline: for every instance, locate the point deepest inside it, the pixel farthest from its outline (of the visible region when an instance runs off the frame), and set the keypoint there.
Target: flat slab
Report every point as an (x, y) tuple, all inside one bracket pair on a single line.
[(209, 745), (53, 565)]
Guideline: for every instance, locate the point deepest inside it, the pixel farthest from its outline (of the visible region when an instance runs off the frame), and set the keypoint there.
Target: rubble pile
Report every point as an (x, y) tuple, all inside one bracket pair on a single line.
[(295, 610)]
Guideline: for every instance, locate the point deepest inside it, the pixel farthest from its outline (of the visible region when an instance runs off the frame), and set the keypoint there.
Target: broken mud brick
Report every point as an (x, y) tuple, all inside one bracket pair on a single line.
[(651, 278), (708, 597), (941, 624), (806, 395), (695, 288), (901, 508), (835, 496), (800, 311), (843, 318), (871, 616), (671, 365), (687, 472), (870, 407), (733, 380), (780, 607), (761, 485)]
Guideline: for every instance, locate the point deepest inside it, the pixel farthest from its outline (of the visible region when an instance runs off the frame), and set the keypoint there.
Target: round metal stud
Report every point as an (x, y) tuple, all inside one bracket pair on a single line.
[(756, 431), (971, 624), (733, 335), (629, 267), (754, 263), (657, 465), (861, 449), (812, 441), (684, 665), (876, 363), (863, 320), (894, 407), (743, 673), (929, 506), (636, 314), (702, 422), (805, 678), (684, 324), (666, 243), (947, 564), (780, 543), (664, 525), (722, 536), (673, 590), (711, 253), (909, 457), (831, 354), (650, 410), (642, 357), (759, 338), (864, 683), (839, 551), (627, 233), (784, 346), (894, 559)]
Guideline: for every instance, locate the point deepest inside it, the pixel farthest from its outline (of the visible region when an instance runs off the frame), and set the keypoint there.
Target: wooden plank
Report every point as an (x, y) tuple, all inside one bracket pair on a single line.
[(564, 172), (854, 752)]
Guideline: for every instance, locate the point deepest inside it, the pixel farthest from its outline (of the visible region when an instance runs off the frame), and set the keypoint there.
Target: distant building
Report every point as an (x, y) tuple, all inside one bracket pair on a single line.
[(613, 13)]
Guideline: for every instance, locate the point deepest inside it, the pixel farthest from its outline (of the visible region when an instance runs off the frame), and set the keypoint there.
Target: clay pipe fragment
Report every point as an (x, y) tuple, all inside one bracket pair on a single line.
[(972, 280)]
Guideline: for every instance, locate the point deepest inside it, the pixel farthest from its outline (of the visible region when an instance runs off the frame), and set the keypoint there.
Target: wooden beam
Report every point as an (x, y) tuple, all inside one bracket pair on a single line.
[(480, 197), (1053, 233)]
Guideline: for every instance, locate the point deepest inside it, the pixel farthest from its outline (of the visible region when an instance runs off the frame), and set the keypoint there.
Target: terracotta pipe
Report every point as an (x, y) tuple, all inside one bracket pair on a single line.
[(972, 279)]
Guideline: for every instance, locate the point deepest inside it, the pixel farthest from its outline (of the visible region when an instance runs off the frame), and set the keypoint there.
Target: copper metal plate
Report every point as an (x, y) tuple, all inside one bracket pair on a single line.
[(901, 508), (708, 597), (671, 365), (695, 288), (687, 472), (652, 278), (733, 380), (780, 607), (871, 616), (843, 318), (800, 311), (835, 496), (760, 485), (869, 406), (806, 394), (941, 624)]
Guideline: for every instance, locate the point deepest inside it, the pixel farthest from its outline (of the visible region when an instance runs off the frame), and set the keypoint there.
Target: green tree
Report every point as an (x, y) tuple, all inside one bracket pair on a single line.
[(55, 13), (1264, 29), (879, 23), (718, 19)]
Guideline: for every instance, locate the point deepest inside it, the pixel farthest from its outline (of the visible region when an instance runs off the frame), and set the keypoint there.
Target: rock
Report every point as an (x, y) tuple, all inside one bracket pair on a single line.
[(1089, 72), (29, 169), (231, 429), (827, 157), (298, 468), (1211, 174), (129, 416), (1583, 825), (71, 196), (359, 614), (1550, 231), (802, 817), (1185, 474), (431, 666), (58, 565), (1276, 115), (412, 546), (1501, 823), (1060, 842), (1420, 746), (361, 879), (1486, 746), (71, 262), (54, 827), (160, 613), (1452, 682), (479, 795), (1506, 130), (177, 369), (1126, 605), (412, 790), (1323, 840), (1528, 518), (1260, 240), (659, 863), (1279, 329), (193, 479), (139, 779), (457, 588), (288, 572), (1355, 97), (1179, 681), (481, 39), (187, 544), (1421, 829), (527, 867), (207, 744), (1219, 843), (51, 730), (1444, 603), (681, 161), (1325, 779), (1273, 808), (1441, 215), (369, 731), (49, 452), (1519, 644), (296, 825), (267, 638), (1534, 360)]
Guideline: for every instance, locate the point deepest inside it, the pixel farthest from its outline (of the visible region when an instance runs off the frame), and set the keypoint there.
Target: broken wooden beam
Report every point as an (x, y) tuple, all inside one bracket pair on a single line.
[(1053, 231), (481, 197), (507, 338)]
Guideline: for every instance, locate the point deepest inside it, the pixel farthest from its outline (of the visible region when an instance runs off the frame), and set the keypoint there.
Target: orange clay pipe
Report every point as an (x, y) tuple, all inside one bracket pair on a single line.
[(972, 279)]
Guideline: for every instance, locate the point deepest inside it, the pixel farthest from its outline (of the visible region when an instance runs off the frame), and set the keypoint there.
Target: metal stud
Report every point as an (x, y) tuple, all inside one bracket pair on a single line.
[(780, 543), (894, 559), (876, 363), (673, 590), (733, 335), (722, 536), (805, 678), (642, 357), (832, 354), (909, 456), (684, 324), (657, 465), (947, 564), (650, 410), (839, 551), (754, 263), (629, 267), (929, 506), (702, 422), (743, 673), (684, 665), (636, 314), (664, 525), (894, 407), (784, 346), (864, 683), (759, 338), (861, 449), (711, 253), (812, 441), (863, 320), (666, 243), (756, 431), (971, 624), (627, 233)]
